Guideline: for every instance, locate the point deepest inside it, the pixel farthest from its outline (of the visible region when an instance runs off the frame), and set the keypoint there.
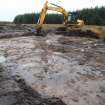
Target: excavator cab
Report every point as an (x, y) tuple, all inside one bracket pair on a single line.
[(69, 17), (72, 18), (73, 21)]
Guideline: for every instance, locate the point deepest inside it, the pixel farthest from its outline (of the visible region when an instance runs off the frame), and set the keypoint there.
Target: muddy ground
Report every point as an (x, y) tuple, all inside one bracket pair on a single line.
[(50, 70)]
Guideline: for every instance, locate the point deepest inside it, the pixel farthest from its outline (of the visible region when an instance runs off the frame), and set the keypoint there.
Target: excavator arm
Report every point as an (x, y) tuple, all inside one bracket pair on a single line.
[(44, 11), (41, 18), (57, 8)]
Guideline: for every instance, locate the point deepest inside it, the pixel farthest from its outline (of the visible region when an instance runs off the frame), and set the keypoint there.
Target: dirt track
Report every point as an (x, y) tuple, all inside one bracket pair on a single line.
[(71, 68)]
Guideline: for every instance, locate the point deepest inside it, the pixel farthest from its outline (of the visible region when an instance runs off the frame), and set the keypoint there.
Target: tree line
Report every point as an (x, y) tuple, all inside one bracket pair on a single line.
[(91, 16), (33, 18)]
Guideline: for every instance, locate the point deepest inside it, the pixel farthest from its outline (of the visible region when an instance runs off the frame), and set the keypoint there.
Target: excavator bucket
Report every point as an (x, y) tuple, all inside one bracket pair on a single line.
[(41, 33)]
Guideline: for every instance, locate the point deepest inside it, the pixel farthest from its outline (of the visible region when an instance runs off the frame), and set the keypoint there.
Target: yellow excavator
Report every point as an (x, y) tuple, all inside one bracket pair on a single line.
[(67, 17)]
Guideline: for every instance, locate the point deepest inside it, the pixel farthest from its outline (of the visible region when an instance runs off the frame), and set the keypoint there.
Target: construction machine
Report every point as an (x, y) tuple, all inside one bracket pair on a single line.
[(68, 18)]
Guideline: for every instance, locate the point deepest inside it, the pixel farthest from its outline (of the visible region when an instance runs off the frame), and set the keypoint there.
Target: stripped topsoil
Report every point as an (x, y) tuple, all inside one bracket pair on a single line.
[(50, 70), (13, 88)]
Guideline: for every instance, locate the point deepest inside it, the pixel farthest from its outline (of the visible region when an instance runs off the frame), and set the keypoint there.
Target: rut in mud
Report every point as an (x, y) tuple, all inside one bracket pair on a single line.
[(14, 91)]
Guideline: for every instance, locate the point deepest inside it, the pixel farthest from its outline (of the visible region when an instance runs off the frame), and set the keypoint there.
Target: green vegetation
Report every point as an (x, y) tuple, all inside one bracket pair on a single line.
[(92, 16), (33, 18)]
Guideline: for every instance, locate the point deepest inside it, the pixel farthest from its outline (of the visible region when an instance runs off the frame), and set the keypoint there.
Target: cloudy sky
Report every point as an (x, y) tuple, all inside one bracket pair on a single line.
[(10, 8)]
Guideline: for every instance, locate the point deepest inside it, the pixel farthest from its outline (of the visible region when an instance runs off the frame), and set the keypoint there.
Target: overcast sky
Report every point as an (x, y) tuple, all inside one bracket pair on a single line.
[(10, 8)]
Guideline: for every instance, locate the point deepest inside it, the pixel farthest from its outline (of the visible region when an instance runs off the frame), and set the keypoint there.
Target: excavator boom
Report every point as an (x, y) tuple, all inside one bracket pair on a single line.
[(57, 8)]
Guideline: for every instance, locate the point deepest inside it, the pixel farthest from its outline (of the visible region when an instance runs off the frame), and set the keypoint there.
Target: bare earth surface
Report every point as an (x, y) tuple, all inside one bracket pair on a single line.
[(70, 68)]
